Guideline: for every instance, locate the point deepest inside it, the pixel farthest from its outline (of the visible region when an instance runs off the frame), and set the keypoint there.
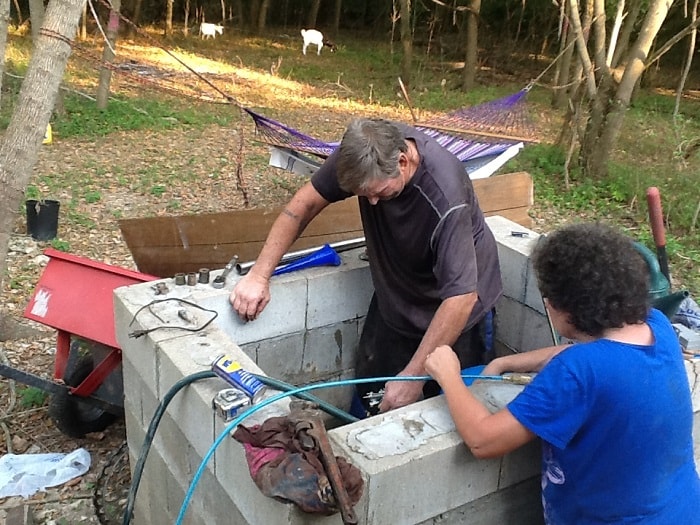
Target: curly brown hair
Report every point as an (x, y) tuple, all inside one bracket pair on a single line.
[(595, 274)]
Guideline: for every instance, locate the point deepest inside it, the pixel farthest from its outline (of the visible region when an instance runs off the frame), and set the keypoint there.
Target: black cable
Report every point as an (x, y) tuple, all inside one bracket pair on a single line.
[(323, 405), (148, 440), (139, 333)]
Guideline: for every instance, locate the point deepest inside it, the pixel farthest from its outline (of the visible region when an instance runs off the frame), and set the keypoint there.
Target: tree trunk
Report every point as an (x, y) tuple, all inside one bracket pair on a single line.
[(406, 42), (262, 16), (223, 11), (471, 56), (169, 17), (19, 148), (603, 132), (688, 60), (337, 11), (83, 23), (564, 72), (36, 15), (4, 23), (254, 13), (19, 13), (599, 102), (108, 54), (628, 25), (136, 18), (186, 29), (238, 8), (313, 14)]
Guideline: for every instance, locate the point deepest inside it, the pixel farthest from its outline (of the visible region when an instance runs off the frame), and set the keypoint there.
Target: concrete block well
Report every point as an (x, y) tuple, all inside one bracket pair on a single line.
[(416, 469)]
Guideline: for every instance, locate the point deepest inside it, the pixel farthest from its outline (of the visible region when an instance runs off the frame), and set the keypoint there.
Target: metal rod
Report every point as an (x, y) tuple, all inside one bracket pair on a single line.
[(340, 246)]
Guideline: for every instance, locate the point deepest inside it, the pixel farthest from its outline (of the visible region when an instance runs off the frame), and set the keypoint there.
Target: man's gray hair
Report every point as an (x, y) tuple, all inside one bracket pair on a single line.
[(369, 152)]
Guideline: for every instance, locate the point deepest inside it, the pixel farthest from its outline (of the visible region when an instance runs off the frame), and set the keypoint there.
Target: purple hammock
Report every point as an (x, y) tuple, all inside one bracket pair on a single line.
[(484, 130)]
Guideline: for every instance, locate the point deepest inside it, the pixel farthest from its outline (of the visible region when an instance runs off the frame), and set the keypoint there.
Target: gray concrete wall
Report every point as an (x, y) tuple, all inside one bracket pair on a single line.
[(415, 467)]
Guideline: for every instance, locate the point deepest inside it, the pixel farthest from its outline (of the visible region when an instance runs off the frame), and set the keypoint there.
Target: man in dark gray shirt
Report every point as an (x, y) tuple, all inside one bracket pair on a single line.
[(433, 259)]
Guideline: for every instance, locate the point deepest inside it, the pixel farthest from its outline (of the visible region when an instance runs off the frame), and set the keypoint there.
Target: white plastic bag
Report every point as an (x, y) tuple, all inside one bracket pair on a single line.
[(688, 314), (26, 474)]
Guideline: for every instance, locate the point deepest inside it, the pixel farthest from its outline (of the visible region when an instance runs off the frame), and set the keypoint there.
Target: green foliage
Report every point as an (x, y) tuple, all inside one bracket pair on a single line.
[(92, 196), (31, 396), (621, 199), (61, 246), (82, 118), (32, 193), (158, 190)]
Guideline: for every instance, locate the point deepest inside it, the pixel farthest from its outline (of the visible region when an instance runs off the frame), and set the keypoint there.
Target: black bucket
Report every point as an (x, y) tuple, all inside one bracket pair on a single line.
[(42, 219)]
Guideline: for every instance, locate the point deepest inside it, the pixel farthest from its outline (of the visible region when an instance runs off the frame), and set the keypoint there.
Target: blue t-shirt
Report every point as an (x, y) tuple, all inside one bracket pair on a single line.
[(616, 424)]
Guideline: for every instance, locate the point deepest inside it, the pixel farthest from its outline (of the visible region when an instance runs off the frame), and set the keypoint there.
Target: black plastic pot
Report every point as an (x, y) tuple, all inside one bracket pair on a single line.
[(42, 219)]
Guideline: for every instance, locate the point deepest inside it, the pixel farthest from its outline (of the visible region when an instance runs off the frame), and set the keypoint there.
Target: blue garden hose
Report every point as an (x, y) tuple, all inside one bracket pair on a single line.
[(330, 384)]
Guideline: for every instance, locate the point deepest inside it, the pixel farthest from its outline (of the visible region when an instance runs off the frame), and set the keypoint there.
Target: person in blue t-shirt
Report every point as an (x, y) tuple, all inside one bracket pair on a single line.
[(613, 410)]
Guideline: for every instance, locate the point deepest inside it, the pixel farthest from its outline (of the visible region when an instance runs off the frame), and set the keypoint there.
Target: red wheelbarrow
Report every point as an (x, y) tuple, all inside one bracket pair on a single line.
[(74, 296)]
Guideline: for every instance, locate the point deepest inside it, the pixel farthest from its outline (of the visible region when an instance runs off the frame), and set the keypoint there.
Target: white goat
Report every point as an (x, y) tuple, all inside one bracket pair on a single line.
[(207, 30), (315, 37)]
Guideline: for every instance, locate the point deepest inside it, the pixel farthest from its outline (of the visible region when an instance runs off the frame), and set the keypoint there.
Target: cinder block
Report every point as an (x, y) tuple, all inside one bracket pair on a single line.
[(514, 257), (151, 498), (137, 352), (285, 314), (329, 350), (191, 409), (339, 294), (280, 357), (139, 395), (446, 478), (521, 328), (414, 443), (521, 464), (519, 504), (179, 452), (148, 310)]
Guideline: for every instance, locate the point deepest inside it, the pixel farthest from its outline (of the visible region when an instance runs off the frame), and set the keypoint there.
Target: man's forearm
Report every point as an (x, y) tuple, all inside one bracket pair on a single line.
[(287, 228), (447, 325)]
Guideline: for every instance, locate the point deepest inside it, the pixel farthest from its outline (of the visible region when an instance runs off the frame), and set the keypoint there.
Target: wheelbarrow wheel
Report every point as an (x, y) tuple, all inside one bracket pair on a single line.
[(74, 417)]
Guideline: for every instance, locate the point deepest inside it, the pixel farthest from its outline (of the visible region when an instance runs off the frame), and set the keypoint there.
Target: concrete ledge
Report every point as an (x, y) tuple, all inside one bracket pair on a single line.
[(415, 467)]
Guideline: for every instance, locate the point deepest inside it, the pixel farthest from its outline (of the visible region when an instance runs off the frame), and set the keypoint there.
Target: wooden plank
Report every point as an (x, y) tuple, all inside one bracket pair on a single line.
[(234, 226), (166, 261), (518, 215), (510, 195), (163, 246)]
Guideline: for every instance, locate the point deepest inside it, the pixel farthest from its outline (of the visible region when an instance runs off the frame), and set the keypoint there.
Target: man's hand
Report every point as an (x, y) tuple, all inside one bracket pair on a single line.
[(442, 363), (250, 296), (400, 393)]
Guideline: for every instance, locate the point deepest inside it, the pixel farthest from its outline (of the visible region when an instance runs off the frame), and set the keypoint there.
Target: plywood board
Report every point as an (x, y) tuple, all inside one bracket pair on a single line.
[(163, 246), (510, 195)]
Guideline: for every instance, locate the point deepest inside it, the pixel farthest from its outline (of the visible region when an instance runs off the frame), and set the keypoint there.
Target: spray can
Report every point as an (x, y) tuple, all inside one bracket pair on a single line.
[(231, 371), (229, 403)]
